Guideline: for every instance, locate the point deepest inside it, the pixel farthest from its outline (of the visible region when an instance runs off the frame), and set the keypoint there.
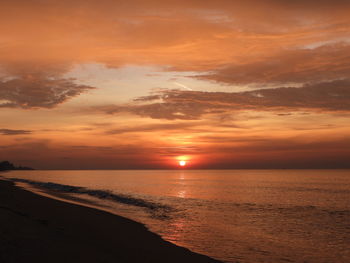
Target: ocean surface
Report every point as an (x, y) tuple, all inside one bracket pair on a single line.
[(248, 216)]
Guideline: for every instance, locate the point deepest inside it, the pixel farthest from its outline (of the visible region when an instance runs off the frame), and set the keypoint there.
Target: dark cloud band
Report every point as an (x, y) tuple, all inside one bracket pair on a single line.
[(14, 132), (190, 105), (29, 92)]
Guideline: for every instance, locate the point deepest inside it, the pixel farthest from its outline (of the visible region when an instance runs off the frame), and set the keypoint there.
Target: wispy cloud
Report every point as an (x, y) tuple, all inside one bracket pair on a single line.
[(14, 132), (153, 127), (37, 91), (298, 66), (191, 105)]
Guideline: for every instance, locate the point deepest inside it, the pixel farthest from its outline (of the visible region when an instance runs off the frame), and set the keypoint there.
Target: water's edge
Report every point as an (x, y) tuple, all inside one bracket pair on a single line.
[(51, 192)]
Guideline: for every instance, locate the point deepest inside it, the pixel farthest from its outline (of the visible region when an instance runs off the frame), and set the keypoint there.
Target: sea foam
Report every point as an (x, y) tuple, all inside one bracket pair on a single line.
[(157, 210)]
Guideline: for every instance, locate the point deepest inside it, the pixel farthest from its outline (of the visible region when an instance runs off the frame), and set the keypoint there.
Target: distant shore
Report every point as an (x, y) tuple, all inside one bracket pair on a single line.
[(34, 228), (7, 166)]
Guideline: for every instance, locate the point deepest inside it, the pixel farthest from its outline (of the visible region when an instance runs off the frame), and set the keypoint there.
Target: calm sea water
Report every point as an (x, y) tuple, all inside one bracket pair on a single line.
[(234, 215)]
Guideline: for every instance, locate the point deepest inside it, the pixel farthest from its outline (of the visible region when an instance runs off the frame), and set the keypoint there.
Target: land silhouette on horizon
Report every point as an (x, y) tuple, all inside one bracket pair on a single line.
[(6, 166)]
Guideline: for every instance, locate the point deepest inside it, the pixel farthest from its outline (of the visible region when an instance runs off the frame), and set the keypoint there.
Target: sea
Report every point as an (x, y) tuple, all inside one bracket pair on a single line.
[(246, 216)]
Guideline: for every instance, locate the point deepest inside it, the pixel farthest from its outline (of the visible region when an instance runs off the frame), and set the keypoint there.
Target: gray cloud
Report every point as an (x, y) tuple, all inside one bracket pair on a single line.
[(14, 132), (328, 62), (37, 91), (153, 127), (191, 105)]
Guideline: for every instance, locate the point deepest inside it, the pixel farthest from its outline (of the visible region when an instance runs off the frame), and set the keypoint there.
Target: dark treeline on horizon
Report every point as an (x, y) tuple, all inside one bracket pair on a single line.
[(6, 165)]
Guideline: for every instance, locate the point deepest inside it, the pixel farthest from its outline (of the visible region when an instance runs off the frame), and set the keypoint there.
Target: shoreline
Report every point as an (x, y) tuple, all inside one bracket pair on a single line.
[(35, 228)]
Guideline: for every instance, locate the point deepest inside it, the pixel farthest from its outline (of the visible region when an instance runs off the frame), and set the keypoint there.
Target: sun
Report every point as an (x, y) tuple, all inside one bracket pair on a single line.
[(182, 163)]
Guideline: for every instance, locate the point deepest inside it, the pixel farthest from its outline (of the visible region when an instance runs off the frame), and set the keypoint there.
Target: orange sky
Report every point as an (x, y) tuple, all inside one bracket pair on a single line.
[(142, 84)]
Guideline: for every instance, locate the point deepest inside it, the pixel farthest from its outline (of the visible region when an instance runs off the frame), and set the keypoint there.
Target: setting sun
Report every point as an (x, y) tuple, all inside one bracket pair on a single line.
[(182, 163)]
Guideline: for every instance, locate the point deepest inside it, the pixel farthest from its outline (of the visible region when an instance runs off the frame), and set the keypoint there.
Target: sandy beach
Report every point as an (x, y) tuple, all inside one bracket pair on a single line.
[(34, 228)]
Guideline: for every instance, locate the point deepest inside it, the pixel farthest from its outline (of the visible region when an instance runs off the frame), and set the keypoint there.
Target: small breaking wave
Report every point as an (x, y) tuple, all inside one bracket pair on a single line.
[(157, 210)]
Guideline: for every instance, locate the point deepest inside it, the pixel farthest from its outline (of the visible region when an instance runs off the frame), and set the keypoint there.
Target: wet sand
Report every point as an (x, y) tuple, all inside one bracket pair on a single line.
[(37, 229)]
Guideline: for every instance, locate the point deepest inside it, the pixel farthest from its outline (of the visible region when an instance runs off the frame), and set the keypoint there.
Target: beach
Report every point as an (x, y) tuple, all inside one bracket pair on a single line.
[(34, 228)]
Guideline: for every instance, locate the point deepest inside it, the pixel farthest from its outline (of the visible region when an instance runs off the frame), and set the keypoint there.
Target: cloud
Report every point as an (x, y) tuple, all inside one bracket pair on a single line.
[(153, 127), (236, 43), (37, 91), (191, 105), (328, 62), (14, 132), (203, 33), (164, 110), (237, 151), (178, 150)]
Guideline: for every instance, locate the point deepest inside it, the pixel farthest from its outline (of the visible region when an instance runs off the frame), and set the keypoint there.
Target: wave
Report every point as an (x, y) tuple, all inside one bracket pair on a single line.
[(157, 210), (290, 210)]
